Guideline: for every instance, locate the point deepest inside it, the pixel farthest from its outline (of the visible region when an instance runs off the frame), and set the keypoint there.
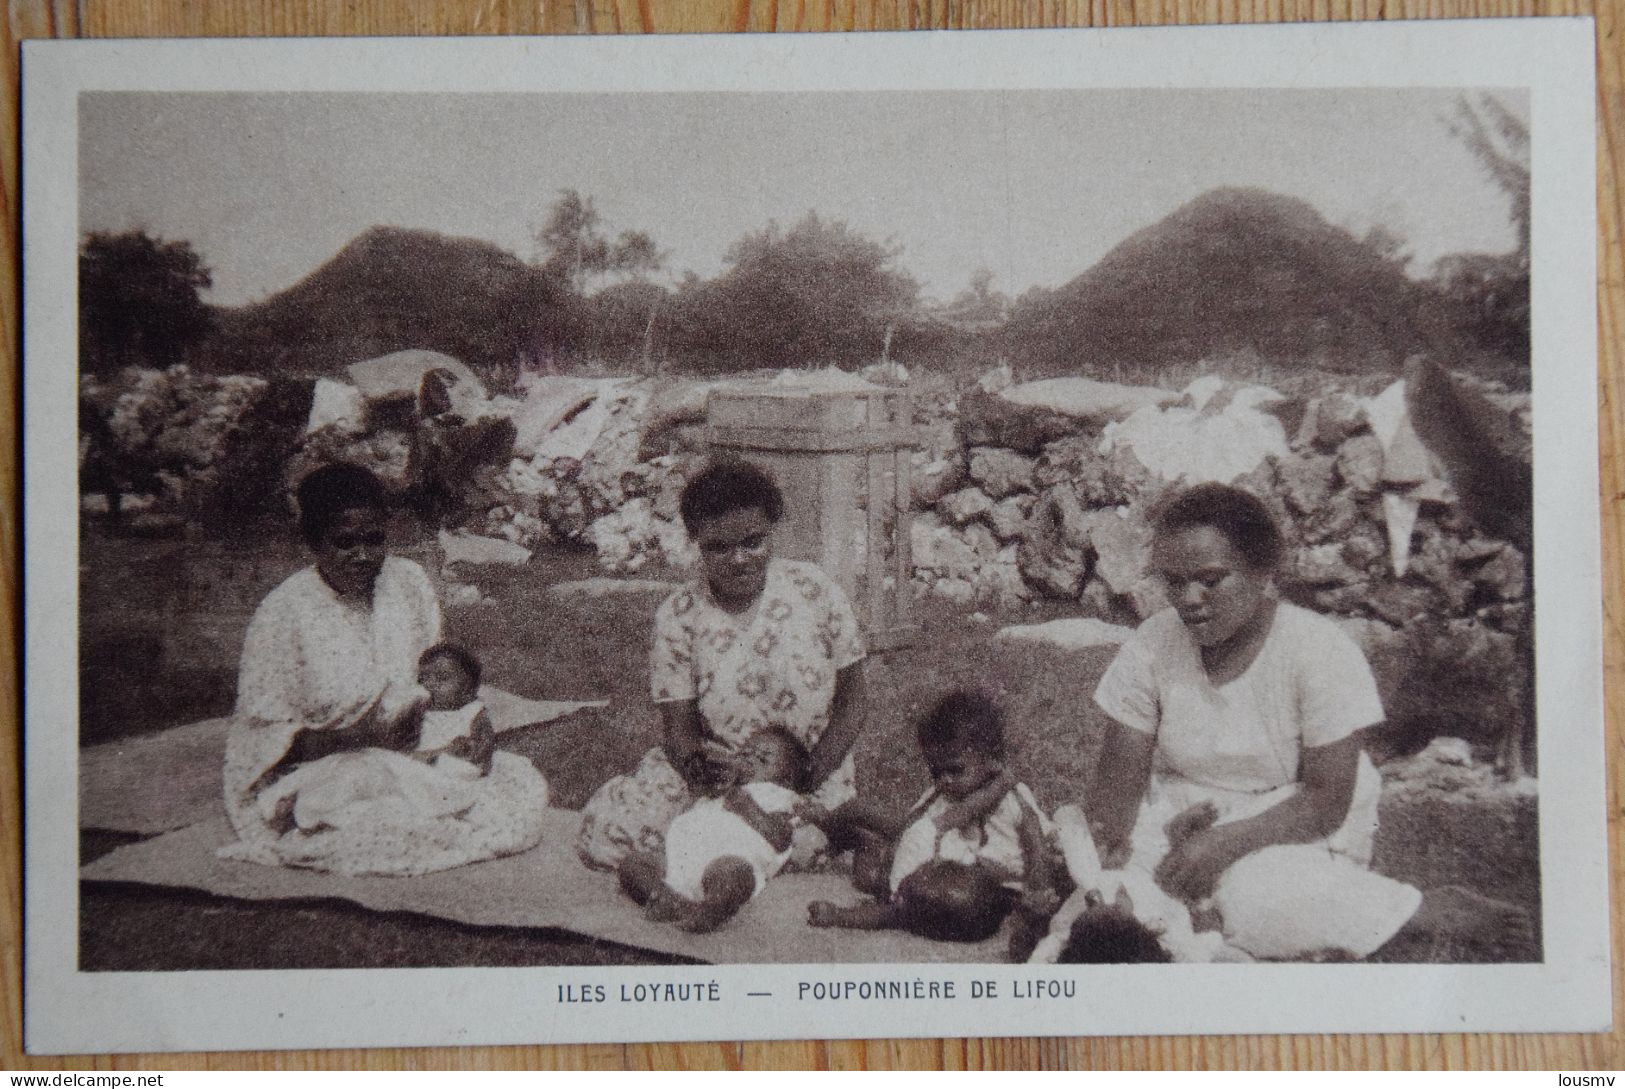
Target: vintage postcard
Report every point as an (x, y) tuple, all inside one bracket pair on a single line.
[(839, 535)]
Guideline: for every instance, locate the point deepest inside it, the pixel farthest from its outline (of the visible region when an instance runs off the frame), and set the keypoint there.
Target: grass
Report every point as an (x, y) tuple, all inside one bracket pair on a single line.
[(162, 625)]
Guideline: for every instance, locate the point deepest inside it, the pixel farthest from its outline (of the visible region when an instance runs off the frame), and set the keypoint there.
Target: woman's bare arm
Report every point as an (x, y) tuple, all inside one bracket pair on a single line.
[(847, 714), (683, 739), (1326, 776), (1117, 788)]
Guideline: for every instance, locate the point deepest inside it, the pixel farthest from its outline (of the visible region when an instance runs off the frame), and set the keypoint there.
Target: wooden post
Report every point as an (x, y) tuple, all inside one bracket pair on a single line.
[(842, 459)]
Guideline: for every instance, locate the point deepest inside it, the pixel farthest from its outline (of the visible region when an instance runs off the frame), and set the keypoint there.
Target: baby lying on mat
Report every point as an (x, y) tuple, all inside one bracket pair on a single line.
[(975, 848), (721, 851), (1123, 916)]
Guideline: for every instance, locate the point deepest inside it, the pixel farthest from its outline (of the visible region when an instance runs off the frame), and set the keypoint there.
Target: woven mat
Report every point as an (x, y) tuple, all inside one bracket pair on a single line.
[(546, 887), (163, 781)]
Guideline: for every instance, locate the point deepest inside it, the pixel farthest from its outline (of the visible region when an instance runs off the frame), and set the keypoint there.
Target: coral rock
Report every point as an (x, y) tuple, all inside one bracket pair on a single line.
[(1001, 473), (964, 506), (1008, 517), (1359, 462)]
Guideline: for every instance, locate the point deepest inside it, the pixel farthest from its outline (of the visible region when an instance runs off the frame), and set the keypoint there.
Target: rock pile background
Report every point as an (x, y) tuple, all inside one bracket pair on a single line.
[(1023, 495)]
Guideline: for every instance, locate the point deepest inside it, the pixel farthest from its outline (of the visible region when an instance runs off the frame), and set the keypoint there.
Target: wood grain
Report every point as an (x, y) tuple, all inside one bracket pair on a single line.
[(155, 18)]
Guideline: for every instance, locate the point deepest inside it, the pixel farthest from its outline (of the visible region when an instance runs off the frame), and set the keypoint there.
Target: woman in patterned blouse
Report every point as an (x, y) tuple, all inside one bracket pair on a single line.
[(755, 643)]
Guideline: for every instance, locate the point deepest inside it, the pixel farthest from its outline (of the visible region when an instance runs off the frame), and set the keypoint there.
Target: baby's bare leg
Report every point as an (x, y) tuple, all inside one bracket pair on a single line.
[(865, 915), (728, 884), (871, 866), (642, 876)]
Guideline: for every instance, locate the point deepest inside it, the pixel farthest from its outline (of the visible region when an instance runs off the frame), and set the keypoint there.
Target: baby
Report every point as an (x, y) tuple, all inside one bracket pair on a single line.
[(456, 736), (1123, 916), (972, 849), (454, 749), (721, 851)]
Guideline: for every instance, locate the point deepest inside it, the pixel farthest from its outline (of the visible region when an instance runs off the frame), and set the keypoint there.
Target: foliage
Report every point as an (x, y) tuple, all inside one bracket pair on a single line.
[(204, 444), (979, 304), (392, 289), (1485, 297), (1233, 271), (139, 300), (578, 250), (816, 294)]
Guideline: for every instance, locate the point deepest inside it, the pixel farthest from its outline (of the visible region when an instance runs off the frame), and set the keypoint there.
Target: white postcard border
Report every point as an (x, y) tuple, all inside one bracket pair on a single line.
[(71, 1011)]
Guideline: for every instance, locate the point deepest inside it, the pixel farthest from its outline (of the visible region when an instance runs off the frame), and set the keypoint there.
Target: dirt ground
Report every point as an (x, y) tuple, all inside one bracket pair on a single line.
[(162, 624)]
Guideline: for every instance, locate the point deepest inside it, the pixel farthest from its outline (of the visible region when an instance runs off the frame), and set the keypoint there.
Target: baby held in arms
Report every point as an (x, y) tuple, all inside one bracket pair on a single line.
[(457, 736), (721, 851), (973, 849), (439, 777)]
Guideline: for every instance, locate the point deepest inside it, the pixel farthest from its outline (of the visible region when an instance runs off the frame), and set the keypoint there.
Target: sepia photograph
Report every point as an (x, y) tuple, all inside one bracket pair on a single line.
[(626, 533)]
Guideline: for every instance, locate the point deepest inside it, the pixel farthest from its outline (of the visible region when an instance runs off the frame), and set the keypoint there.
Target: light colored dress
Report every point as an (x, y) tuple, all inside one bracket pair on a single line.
[(441, 728), (995, 842), (708, 830), (774, 666), (310, 660), (1238, 745)]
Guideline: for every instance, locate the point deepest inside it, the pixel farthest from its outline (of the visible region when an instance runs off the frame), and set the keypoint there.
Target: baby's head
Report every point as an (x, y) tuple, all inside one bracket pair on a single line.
[(451, 673), (953, 902), (962, 740), (773, 755), (1110, 934)]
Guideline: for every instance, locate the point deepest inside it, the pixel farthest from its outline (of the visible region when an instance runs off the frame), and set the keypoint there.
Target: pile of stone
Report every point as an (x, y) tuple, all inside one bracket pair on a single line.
[(1043, 491)]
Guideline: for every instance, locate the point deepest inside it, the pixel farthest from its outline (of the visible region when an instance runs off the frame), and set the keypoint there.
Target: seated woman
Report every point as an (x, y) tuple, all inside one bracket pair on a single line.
[(328, 699), (755, 643), (1235, 729)]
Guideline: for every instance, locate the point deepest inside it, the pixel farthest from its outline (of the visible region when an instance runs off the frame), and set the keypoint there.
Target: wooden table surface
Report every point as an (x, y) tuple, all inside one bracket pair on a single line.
[(162, 18)]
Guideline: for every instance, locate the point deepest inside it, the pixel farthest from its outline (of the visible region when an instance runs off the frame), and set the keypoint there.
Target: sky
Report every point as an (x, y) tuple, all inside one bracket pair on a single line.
[(1034, 185)]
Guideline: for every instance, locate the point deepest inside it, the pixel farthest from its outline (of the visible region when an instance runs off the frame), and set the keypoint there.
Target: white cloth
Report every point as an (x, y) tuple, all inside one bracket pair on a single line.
[(441, 728), (1170, 919), (1238, 746), (314, 661), (994, 842), (310, 656), (708, 830)]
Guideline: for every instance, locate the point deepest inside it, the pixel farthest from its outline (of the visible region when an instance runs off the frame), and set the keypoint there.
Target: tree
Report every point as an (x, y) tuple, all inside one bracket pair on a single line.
[(577, 248), (1500, 143), (1488, 294), (571, 237), (139, 300), (816, 294), (979, 304)]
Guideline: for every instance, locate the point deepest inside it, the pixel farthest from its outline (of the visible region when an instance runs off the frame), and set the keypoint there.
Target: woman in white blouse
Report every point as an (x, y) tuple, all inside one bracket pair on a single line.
[(328, 685), (1233, 768)]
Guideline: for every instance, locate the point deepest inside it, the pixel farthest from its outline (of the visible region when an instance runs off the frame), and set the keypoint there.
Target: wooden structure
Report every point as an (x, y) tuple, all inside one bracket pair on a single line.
[(841, 457)]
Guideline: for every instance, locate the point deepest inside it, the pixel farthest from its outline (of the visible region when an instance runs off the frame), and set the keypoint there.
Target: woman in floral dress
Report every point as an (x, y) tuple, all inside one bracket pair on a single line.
[(754, 643)]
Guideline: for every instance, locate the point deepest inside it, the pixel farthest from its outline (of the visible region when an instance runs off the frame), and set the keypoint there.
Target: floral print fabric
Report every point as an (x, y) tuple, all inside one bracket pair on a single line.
[(774, 666)]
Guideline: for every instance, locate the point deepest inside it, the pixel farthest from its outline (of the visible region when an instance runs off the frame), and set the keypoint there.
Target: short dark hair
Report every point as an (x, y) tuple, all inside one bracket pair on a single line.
[(455, 652), (953, 902), (1239, 516), (726, 485), (1107, 935), (963, 720), (326, 493)]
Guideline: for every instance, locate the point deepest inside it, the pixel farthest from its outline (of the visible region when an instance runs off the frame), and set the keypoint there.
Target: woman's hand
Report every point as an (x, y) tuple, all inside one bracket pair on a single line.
[(704, 763), (1192, 870)]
